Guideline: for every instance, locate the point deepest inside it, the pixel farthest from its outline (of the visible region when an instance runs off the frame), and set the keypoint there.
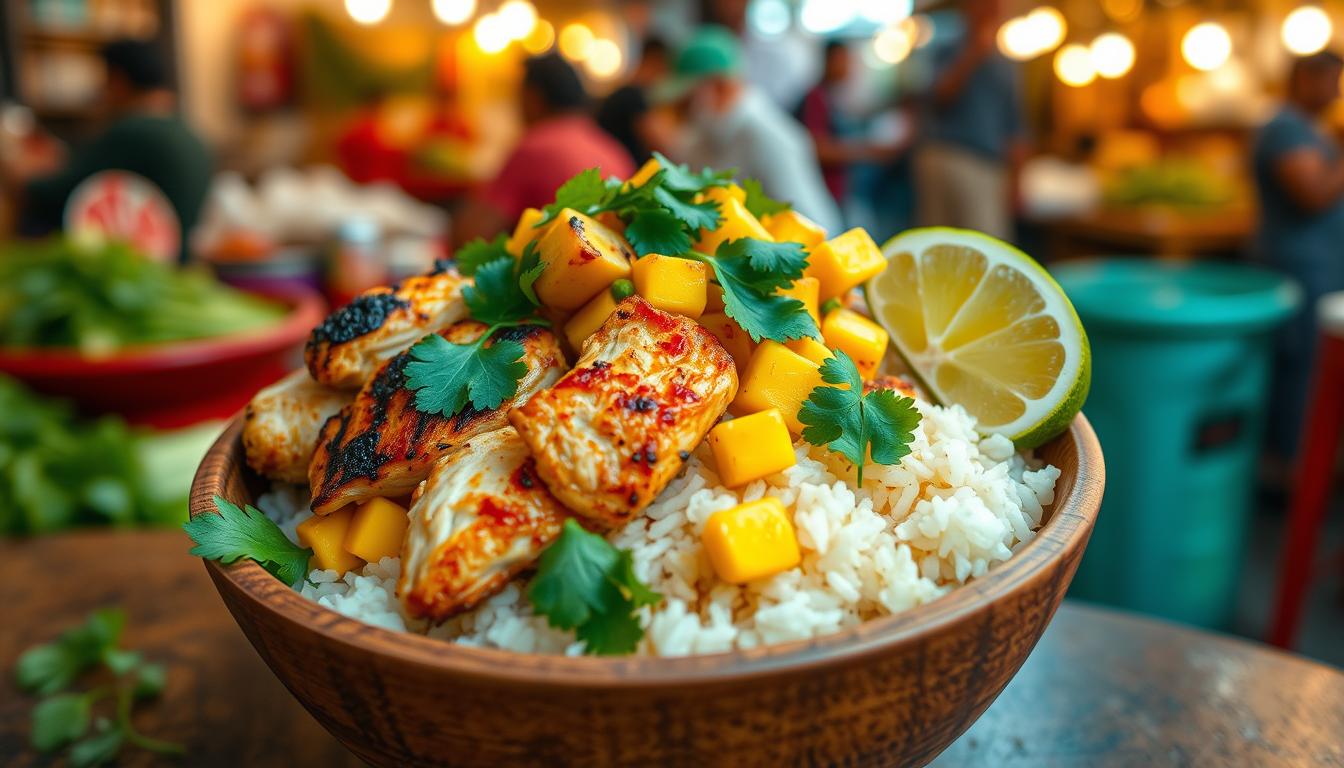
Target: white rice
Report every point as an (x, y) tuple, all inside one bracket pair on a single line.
[(948, 512)]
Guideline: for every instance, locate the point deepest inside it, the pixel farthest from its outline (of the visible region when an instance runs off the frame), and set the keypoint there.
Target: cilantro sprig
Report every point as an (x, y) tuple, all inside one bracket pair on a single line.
[(758, 203), (63, 717), (235, 534), (585, 584), (750, 272), (879, 425)]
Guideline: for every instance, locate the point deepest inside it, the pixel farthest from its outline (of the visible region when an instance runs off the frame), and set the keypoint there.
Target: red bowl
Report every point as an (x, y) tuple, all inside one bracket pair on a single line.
[(175, 384)]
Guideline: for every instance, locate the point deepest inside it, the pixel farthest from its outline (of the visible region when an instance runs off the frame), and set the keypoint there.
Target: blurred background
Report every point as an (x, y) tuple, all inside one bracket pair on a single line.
[(1174, 162)]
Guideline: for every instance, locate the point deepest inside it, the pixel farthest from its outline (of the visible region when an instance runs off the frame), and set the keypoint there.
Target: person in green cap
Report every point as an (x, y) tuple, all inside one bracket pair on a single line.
[(732, 125)]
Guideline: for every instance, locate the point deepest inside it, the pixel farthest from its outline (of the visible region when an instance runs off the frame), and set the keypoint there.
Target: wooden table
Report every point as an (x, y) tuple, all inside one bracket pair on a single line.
[(1102, 688), (1161, 232)]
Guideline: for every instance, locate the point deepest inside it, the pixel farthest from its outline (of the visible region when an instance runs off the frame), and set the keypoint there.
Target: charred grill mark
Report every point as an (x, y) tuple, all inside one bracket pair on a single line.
[(360, 457), (365, 314), (334, 444), (638, 403)]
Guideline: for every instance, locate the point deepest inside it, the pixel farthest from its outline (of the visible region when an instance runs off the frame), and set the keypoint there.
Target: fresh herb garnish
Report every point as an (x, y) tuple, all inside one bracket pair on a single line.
[(879, 425), (750, 272), (64, 718), (584, 192), (758, 203), (480, 252), (235, 533), (585, 584)]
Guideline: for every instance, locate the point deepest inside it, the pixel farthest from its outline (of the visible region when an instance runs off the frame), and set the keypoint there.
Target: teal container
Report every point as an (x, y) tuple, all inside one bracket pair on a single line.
[(1180, 393)]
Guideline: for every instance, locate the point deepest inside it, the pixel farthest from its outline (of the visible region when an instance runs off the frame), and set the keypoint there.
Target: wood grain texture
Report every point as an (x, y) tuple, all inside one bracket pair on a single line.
[(893, 691)]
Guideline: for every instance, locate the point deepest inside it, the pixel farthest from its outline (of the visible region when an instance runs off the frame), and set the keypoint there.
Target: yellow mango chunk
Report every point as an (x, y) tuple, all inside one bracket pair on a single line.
[(714, 298), (857, 336), (751, 541), (776, 377), (325, 535), (524, 233), (751, 447), (586, 321), (736, 341), (845, 261), (671, 284), (722, 195), (582, 257), (737, 223), (377, 529), (808, 291), (811, 349), (645, 172), (793, 227)]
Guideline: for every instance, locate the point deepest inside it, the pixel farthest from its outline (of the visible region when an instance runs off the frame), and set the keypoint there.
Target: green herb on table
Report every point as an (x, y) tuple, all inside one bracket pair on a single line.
[(235, 534), (585, 584), (878, 426), (65, 718), (750, 272)]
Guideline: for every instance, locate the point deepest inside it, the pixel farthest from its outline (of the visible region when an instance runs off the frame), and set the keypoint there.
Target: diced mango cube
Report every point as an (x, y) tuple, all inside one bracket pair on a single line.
[(736, 223), (325, 535), (811, 349), (845, 261), (645, 172), (377, 529), (714, 298), (671, 284), (722, 195), (586, 321), (582, 257), (736, 341), (793, 227), (525, 232), (776, 377), (860, 338), (751, 541), (808, 291), (751, 447)]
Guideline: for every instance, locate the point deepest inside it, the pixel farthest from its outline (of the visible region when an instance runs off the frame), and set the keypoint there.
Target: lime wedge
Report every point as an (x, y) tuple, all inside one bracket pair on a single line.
[(982, 325)]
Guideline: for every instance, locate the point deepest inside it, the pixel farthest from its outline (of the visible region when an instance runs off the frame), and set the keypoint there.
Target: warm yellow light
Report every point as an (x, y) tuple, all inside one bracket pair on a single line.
[(368, 11), (1112, 55), (453, 12), (1048, 27), (575, 40), (894, 43), (921, 29), (1206, 46), (518, 18), (541, 39), (1122, 10), (1015, 39), (490, 33), (1073, 65), (1026, 37), (604, 58), (1307, 30)]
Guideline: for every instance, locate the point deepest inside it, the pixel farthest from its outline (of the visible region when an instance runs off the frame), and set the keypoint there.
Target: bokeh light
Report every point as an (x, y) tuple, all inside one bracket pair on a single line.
[(540, 39), (518, 18), (1073, 65), (886, 11), (893, 44), (769, 17), (575, 40), (1029, 36), (368, 11), (823, 17), (604, 58), (922, 29), (1307, 30), (1123, 11), (492, 36), (1206, 46), (453, 12), (1112, 55)]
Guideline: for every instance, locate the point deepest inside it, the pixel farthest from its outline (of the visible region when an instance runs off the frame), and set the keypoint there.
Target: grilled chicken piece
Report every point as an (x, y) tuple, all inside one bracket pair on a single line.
[(611, 434), (898, 384), (349, 346), (481, 518), (281, 424), (380, 445)]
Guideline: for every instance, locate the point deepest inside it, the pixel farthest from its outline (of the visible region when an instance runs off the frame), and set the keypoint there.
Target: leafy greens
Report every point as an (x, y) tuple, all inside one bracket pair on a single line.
[(878, 425), (235, 533)]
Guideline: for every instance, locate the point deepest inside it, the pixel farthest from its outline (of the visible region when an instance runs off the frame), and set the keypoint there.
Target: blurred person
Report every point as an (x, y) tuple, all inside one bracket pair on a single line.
[(780, 65), (732, 125), (560, 139), (834, 132), (146, 136), (362, 150), (972, 132), (1299, 177), (625, 114)]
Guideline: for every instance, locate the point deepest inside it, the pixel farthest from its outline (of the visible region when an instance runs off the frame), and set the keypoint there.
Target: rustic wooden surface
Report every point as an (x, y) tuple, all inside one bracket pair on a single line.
[(1101, 689), (1168, 234)]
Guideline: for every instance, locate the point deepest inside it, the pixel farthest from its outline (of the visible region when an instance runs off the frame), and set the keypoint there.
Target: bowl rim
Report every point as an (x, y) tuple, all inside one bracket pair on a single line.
[(1065, 532)]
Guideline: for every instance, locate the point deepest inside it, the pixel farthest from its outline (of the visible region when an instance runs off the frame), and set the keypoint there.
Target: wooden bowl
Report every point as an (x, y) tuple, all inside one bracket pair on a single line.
[(892, 691)]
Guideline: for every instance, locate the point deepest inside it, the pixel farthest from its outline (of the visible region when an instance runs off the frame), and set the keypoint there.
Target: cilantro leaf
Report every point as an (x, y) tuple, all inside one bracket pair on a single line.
[(778, 264), (59, 720), (446, 376), (235, 533), (530, 267), (657, 231), (679, 178), (696, 216), (150, 680), (480, 252), (497, 297), (585, 584), (98, 749), (758, 203), (45, 669), (582, 192), (877, 426), (750, 272)]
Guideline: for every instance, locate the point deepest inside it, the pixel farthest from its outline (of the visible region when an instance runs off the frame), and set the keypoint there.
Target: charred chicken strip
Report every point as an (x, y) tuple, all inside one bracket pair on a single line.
[(611, 434), (898, 384), (481, 518), (349, 346), (281, 425), (381, 445)]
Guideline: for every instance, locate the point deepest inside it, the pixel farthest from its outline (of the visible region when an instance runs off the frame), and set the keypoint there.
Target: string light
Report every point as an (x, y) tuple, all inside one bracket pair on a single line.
[(1112, 55), (453, 12), (491, 34), (1206, 46), (1029, 36), (575, 40), (518, 17), (1073, 65), (1307, 30), (368, 11), (604, 58), (894, 43), (541, 39)]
